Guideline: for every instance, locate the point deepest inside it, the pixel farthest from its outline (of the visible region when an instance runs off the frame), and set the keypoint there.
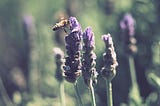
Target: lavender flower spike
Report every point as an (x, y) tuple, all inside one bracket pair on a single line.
[(59, 59), (88, 69), (109, 57), (73, 46), (127, 25)]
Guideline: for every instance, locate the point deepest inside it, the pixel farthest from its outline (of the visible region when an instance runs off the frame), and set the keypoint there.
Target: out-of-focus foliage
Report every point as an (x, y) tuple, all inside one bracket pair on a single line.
[(27, 65)]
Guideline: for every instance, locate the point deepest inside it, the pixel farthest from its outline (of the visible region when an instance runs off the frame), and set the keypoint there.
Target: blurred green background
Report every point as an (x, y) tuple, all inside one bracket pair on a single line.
[(27, 66)]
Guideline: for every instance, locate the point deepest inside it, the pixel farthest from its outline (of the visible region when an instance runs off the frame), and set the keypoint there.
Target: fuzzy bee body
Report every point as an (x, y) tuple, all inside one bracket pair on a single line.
[(61, 25)]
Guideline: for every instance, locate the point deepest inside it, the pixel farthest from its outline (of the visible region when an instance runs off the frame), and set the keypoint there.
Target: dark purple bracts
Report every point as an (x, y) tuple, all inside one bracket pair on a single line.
[(109, 57)]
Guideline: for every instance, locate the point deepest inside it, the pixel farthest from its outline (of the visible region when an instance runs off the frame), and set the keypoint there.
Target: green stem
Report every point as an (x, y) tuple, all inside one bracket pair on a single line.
[(4, 94), (158, 99), (134, 84), (132, 71), (92, 94), (62, 94), (109, 93), (159, 51), (77, 94)]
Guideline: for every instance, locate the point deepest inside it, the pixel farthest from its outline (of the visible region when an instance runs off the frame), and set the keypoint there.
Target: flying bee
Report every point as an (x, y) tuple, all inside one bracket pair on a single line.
[(63, 24)]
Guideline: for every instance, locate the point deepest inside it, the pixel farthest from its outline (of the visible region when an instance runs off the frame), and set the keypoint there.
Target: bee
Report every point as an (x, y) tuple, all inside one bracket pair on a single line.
[(62, 24)]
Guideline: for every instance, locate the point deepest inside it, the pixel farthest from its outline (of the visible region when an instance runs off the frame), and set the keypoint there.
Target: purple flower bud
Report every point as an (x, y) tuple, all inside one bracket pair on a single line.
[(128, 24), (28, 25), (88, 37), (74, 24), (107, 40), (28, 20)]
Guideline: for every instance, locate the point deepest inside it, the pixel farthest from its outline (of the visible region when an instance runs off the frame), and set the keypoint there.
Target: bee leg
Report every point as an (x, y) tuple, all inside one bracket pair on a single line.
[(65, 30)]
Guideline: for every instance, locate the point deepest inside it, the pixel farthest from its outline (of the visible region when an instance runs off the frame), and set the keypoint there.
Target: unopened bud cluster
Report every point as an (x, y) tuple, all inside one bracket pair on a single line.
[(72, 68), (59, 58), (77, 63), (109, 58), (88, 70)]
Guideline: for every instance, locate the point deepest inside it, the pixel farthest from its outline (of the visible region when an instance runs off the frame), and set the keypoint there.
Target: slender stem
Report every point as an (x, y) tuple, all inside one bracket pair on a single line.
[(159, 51), (77, 94), (158, 99), (92, 94), (109, 93), (62, 94), (134, 86), (132, 71), (4, 94)]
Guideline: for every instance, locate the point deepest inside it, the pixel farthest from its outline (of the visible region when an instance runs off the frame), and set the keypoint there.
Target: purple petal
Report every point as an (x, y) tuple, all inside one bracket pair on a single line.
[(107, 39), (128, 23), (28, 20), (74, 24)]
